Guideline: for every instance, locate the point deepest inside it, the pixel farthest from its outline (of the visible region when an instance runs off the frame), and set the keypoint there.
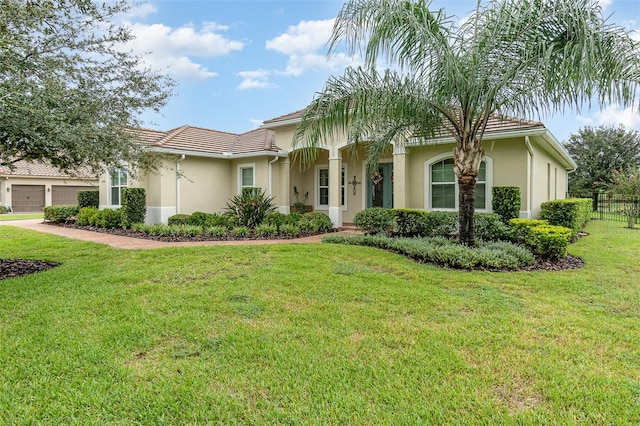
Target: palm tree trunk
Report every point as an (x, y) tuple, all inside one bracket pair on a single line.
[(467, 157), (467, 206)]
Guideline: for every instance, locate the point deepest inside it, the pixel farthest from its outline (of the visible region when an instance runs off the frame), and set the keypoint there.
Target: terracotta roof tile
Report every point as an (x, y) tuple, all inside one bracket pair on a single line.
[(37, 169), (198, 139), (496, 123), (255, 140)]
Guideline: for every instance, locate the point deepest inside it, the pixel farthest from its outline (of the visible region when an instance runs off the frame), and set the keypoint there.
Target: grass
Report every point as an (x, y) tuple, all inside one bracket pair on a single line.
[(316, 334), (21, 216)]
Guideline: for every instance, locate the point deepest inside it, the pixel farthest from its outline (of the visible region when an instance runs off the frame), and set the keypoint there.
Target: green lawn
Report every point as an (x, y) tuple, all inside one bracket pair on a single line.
[(316, 334), (21, 216)]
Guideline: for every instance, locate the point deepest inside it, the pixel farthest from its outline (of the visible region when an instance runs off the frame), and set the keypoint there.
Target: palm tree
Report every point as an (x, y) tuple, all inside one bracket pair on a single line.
[(519, 58)]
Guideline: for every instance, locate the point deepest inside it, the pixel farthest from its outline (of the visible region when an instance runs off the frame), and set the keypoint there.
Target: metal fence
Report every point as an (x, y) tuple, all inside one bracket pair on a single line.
[(613, 207)]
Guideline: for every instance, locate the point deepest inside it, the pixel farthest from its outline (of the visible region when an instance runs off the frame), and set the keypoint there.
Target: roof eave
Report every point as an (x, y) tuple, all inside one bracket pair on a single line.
[(221, 156)]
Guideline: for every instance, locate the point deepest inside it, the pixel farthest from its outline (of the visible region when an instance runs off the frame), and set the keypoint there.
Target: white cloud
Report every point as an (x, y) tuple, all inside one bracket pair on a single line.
[(257, 79), (613, 115), (173, 49), (140, 11), (305, 44), (256, 122)]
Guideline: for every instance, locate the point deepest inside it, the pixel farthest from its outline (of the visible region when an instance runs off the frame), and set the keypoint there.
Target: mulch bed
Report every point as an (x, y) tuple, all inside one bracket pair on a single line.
[(10, 268)]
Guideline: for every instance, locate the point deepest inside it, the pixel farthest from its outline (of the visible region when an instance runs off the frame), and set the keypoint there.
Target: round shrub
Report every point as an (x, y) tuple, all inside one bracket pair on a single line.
[(410, 222), (84, 215), (320, 221), (179, 219), (276, 219), (4, 209), (374, 220)]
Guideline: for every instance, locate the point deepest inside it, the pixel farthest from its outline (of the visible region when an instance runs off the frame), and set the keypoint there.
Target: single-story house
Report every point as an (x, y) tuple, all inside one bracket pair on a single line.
[(30, 186), (205, 168)]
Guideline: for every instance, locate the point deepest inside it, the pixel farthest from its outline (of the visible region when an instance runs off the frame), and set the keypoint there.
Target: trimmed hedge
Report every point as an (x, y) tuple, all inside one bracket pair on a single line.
[(572, 213), (545, 240), (88, 199), (411, 222), (374, 220), (134, 206), (549, 241), (58, 214), (83, 218), (106, 218), (179, 219), (506, 202)]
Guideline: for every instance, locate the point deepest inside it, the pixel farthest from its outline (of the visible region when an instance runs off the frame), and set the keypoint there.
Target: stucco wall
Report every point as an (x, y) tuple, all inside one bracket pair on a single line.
[(205, 185)]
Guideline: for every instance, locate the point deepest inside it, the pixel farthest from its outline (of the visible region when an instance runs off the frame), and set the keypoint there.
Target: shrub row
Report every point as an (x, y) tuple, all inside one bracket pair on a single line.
[(545, 240), (443, 251), (572, 213), (60, 214), (291, 226), (506, 202), (272, 224), (420, 223)]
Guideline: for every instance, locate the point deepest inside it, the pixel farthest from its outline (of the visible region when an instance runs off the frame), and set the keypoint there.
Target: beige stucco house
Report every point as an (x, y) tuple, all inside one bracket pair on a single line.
[(205, 168), (30, 186)]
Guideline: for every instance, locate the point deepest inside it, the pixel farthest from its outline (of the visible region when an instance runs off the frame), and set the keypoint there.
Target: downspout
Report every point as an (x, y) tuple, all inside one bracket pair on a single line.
[(178, 177), (527, 142), (270, 174)]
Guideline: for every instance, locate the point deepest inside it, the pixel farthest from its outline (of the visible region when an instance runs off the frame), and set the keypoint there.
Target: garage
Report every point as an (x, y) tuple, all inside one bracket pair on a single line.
[(27, 198), (66, 194)]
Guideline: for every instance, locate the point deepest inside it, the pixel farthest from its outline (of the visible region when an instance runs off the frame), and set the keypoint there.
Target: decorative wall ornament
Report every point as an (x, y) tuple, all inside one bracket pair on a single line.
[(355, 183)]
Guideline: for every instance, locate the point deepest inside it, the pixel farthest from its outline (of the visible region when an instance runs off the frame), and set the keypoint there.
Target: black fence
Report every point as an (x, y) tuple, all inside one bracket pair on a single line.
[(613, 207)]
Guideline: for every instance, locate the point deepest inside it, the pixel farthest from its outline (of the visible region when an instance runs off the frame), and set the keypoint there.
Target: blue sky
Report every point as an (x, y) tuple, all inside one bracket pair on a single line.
[(239, 62)]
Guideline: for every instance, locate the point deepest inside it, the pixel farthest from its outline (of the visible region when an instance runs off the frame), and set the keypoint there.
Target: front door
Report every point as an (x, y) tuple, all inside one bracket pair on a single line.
[(380, 187)]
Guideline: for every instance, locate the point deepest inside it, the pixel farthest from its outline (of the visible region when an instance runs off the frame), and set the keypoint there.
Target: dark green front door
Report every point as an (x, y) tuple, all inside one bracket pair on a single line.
[(380, 187)]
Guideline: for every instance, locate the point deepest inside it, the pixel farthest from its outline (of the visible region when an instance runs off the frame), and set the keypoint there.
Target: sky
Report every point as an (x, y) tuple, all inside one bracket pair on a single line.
[(238, 63)]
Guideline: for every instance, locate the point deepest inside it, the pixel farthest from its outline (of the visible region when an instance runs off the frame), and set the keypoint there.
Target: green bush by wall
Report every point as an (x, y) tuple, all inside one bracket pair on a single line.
[(506, 202), (134, 206), (61, 213), (572, 213), (88, 199)]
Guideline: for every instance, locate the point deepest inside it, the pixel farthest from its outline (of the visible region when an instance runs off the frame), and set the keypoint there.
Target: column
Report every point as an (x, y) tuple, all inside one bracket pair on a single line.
[(284, 191), (335, 189), (400, 198)]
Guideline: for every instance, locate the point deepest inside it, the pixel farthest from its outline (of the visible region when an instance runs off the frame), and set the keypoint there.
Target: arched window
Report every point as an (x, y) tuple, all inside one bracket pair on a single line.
[(441, 184)]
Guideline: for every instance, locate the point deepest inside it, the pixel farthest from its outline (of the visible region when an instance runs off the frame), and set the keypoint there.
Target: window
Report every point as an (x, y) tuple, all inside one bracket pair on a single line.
[(442, 187), (117, 181), (322, 184), (246, 176)]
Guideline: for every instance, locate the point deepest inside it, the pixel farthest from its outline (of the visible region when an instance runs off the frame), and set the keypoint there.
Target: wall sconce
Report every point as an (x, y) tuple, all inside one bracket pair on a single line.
[(49, 189), (8, 189)]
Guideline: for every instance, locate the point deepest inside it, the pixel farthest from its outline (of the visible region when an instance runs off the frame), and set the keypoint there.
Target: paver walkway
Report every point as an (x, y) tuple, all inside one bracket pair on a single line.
[(137, 243)]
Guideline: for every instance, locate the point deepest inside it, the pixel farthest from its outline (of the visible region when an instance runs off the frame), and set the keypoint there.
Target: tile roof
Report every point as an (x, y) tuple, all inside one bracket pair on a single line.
[(38, 169), (496, 123), (198, 139)]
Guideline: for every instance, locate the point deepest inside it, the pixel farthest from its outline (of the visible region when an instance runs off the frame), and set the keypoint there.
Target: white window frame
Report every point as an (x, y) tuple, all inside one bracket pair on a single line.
[(445, 156), (242, 167), (122, 171), (316, 186)]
